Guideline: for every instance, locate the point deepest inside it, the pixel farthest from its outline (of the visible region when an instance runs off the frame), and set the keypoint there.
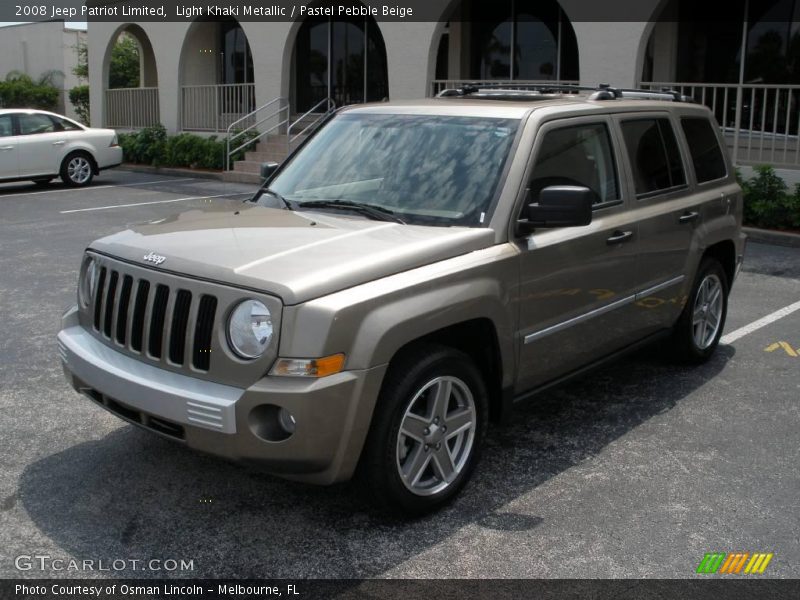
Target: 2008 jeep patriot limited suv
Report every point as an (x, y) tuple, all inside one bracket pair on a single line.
[(406, 275)]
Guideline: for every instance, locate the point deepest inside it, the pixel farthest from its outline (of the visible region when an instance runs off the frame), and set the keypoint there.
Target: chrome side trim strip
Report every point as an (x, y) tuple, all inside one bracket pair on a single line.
[(659, 287), (536, 335)]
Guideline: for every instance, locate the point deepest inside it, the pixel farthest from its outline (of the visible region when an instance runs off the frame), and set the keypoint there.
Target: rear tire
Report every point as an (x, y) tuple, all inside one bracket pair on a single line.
[(696, 334), (77, 169), (427, 430)]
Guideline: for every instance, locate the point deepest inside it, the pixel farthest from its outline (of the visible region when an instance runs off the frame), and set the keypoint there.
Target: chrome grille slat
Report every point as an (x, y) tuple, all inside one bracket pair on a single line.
[(99, 296), (203, 330), (110, 303), (121, 320), (188, 336), (161, 300), (178, 326), (136, 312)]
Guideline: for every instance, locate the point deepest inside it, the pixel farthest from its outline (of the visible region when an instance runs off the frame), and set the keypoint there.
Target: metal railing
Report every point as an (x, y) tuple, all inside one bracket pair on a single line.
[(316, 117), (132, 108), (215, 107), (760, 122), (246, 128), (439, 85)]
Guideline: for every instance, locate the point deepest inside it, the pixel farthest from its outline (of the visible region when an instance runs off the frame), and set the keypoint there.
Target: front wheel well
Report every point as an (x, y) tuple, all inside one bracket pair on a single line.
[(477, 338)]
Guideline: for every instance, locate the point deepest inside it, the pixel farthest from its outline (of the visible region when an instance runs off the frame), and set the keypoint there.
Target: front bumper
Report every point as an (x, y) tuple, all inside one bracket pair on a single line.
[(332, 414)]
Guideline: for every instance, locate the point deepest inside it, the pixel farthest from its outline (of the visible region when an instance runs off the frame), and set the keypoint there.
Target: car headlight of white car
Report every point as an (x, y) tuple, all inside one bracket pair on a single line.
[(250, 329)]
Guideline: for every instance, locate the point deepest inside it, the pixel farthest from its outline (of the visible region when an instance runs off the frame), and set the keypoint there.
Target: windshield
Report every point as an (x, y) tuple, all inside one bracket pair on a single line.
[(426, 169)]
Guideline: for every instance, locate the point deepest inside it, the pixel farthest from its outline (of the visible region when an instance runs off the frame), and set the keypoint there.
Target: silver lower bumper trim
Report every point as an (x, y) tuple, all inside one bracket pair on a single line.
[(179, 398)]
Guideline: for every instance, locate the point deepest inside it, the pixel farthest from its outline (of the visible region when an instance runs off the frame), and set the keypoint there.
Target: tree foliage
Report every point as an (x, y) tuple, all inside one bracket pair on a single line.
[(124, 69)]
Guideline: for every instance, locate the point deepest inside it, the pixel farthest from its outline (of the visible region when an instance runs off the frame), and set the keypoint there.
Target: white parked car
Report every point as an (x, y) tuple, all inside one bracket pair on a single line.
[(40, 145)]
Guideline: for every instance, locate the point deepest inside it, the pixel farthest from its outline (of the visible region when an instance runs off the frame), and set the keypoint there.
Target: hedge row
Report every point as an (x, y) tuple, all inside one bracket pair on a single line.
[(767, 202), (152, 146)]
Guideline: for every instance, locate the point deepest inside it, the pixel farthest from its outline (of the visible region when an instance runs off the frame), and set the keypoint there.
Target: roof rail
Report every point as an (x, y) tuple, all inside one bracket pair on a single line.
[(601, 92)]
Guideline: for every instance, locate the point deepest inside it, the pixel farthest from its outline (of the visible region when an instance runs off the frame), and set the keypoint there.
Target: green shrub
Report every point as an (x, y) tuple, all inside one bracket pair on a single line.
[(79, 97), (152, 146), (21, 91), (767, 203)]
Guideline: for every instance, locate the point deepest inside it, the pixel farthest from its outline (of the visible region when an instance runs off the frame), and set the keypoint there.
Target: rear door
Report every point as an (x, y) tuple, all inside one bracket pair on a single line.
[(577, 284), (668, 215), (9, 151)]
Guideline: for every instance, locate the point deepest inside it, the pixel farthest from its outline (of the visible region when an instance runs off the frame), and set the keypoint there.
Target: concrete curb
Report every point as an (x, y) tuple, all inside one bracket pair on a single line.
[(171, 171), (768, 236)]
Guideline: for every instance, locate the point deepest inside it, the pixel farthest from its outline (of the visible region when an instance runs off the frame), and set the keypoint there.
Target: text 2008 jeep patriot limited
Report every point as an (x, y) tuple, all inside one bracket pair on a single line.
[(410, 272)]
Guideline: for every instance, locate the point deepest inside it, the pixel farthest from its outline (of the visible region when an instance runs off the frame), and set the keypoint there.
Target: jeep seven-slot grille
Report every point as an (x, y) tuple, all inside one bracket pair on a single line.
[(154, 320)]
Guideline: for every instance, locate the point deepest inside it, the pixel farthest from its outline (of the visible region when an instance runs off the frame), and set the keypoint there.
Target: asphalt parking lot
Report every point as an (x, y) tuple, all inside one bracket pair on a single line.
[(637, 470)]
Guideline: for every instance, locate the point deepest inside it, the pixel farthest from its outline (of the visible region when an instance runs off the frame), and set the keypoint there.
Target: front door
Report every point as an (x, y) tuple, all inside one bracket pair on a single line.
[(9, 157), (577, 284)]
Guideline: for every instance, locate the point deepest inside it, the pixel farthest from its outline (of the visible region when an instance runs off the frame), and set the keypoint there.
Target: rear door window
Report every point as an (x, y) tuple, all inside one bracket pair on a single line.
[(654, 155), (31, 124), (704, 148)]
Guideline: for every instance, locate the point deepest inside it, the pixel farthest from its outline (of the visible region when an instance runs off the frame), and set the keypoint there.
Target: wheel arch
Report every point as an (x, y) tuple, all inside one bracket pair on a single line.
[(725, 252)]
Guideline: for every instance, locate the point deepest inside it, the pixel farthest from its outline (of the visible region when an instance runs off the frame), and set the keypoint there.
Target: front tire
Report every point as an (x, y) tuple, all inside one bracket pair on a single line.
[(699, 328), (77, 170), (427, 430)]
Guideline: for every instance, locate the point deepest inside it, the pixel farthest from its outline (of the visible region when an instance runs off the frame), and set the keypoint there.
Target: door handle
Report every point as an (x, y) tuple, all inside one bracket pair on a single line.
[(59, 143), (4, 148), (619, 237), (688, 217)]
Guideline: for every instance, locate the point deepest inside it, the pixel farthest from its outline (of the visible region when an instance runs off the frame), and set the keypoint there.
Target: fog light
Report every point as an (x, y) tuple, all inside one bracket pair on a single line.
[(286, 420)]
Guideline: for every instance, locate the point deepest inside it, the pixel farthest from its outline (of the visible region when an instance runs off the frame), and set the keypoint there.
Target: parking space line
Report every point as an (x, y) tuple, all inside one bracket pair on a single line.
[(762, 322), (77, 210), (94, 187)]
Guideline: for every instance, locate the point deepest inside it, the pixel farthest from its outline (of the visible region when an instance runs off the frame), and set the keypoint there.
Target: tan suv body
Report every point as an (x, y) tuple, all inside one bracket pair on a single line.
[(370, 345)]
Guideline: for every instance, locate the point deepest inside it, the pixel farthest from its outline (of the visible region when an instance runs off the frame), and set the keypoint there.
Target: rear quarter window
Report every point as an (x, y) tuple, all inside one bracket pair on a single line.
[(704, 149)]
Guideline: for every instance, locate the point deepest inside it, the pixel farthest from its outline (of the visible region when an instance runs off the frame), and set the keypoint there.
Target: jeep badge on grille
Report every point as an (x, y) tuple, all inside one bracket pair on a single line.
[(154, 258)]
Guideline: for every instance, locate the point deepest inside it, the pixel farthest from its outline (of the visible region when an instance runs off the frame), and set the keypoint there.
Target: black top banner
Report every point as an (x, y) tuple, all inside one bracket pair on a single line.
[(380, 10)]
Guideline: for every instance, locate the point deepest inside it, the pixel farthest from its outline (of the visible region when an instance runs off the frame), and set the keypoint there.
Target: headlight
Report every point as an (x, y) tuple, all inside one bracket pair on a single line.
[(250, 329), (88, 282)]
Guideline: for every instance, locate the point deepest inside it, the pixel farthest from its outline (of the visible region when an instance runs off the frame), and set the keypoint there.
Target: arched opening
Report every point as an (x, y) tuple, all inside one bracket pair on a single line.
[(340, 59), (217, 75), (745, 68), (130, 76), (507, 40)]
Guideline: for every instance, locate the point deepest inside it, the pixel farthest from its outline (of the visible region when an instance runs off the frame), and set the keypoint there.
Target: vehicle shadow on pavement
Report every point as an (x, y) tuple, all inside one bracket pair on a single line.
[(133, 495)]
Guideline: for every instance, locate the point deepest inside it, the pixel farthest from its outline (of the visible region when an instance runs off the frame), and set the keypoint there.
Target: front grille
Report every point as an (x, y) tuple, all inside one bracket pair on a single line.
[(154, 320)]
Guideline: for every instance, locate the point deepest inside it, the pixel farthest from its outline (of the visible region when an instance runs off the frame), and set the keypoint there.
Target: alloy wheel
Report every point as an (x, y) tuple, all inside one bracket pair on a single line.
[(707, 313), (436, 435)]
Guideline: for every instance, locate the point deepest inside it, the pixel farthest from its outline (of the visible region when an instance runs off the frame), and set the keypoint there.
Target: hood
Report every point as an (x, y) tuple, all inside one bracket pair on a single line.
[(297, 256)]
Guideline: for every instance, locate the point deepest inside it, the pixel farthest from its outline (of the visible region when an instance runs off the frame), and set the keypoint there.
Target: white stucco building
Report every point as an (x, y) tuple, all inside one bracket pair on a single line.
[(203, 75), (39, 48)]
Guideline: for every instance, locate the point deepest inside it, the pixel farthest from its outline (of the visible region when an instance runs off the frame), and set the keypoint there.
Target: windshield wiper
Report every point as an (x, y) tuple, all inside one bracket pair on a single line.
[(274, 194), (379, 213)]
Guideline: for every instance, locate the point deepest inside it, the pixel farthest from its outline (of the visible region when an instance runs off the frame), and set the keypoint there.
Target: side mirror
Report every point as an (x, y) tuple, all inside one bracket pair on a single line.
[(267, 169), (559, 206)]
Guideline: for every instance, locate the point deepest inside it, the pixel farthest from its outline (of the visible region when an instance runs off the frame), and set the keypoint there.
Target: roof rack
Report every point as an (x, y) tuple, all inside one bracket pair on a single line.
[(601, 92)]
